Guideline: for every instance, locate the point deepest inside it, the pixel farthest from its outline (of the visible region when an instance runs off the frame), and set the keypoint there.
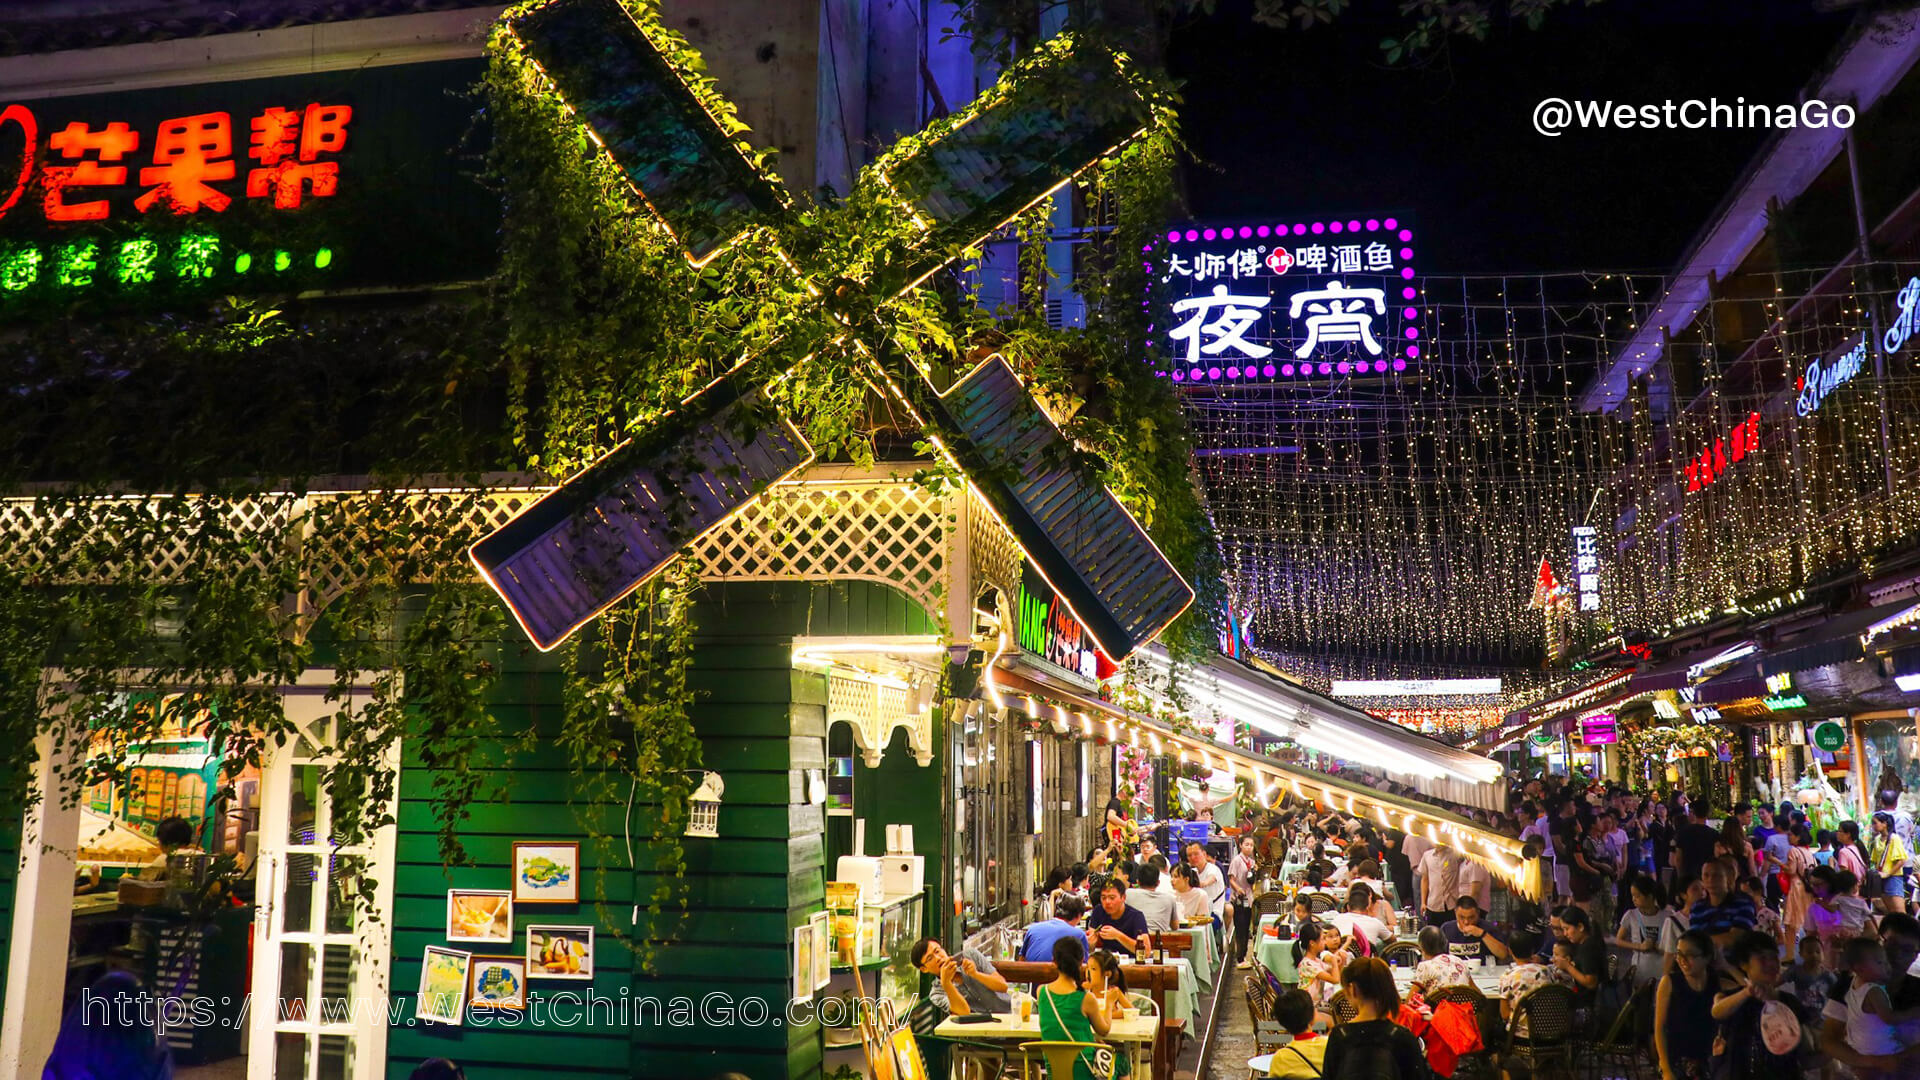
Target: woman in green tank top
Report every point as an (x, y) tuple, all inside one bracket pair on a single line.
[(1072, 1008)]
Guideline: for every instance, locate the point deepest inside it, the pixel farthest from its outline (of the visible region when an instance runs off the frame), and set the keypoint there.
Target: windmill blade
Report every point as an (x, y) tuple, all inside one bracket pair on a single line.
[(640, 110), (1009, 149), (607, 529), (1074, 531)]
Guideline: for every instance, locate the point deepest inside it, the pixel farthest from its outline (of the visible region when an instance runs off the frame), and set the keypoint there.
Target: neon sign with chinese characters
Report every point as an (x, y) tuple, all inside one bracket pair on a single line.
[(186, 261), (1586, 567), (82, 172), (1281, 301), (1049, 631), (1711, 463)]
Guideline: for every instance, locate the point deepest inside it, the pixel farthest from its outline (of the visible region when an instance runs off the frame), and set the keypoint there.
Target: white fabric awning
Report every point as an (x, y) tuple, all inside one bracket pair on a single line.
[(1365, 742)]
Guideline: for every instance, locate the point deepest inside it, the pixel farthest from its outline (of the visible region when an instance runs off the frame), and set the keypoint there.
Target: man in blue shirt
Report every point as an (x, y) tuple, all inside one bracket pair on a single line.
[(1037, 946), (1115, 925)]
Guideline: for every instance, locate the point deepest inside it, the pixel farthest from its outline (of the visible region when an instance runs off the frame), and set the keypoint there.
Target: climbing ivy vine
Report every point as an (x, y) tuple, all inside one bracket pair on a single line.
[(593, 326)]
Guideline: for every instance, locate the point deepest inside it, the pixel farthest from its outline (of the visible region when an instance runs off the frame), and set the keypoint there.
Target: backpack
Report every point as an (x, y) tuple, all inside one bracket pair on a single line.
[(1368, 1060)]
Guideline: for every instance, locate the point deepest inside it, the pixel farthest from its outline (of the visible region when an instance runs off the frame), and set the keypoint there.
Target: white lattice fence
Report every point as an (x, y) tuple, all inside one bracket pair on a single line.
[(886, 529), (893, 533)]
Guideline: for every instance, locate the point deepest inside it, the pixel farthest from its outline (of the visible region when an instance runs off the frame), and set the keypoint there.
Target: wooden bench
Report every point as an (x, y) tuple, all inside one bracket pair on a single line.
[(1154, 980)]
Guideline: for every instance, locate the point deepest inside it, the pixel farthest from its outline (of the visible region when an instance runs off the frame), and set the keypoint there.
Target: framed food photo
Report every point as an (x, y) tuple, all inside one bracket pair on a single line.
[(560, 952), (480, 915), (802, 963), (499, 982), (820, 928), (546, 873), (443, 986)]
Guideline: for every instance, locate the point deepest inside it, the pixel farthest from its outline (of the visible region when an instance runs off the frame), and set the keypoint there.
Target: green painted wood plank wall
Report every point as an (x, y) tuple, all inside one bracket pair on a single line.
[(9, 873), (761, 725)]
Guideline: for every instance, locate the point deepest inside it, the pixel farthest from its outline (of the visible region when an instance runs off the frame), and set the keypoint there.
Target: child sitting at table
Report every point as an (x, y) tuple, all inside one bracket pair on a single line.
[(1304, 1057), (1073, 1008), (1317, 962)]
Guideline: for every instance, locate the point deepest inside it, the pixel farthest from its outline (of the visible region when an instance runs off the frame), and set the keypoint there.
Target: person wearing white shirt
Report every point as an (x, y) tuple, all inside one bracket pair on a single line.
[(1207, 873), (1190, 898), (1160, 909), (1473, 880), (1439, 884)]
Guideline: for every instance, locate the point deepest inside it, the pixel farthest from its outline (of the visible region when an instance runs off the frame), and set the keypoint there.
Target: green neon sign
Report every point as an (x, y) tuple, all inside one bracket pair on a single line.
[(1793, 701), (132, 265)]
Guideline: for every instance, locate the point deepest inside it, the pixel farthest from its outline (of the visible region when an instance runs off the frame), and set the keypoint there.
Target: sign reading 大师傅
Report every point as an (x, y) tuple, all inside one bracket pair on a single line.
[(1287, 300)]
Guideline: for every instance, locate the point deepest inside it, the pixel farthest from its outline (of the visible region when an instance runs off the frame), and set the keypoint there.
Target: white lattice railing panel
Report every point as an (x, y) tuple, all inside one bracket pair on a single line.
[(97, 548), (883, 528), (893, 533), (873, 709), (995, 557)]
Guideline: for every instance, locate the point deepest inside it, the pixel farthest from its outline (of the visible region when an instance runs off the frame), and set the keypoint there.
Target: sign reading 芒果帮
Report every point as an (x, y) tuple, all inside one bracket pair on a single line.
[(1286, 300), (286, 183)]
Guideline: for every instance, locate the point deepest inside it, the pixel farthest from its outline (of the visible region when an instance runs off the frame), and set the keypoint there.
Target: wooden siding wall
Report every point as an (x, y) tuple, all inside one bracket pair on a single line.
[(761, 725), (9, 872)]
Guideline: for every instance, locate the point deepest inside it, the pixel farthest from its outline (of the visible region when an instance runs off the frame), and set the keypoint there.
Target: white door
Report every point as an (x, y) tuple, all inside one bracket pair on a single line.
[(320, 966)]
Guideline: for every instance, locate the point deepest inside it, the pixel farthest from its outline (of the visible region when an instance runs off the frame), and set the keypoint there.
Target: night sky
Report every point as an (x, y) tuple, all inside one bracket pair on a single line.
[(1292, 124)]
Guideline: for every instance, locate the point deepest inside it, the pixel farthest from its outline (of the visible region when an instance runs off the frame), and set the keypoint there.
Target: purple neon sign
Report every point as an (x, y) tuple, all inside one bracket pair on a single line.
[(1282, 301)]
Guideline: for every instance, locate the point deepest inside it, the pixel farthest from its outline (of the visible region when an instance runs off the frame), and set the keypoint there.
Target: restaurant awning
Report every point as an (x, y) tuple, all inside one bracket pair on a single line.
[(1228, 687), (1025, 689), (1839, 640)]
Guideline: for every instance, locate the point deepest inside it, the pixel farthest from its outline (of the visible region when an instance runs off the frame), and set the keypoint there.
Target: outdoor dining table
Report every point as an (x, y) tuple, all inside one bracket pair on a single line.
[(1182, 1003), (1486, 978), (1202, 954), (1274, 953), (1135, 1033)]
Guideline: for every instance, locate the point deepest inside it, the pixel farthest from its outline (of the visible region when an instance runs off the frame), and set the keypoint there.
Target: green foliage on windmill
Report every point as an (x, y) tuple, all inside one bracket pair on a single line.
[(808, 295)]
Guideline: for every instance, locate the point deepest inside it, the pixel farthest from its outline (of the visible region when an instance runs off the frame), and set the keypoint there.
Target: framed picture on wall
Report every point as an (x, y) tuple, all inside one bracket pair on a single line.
[(443, 986), (803, 963), (560, 952), (480, 915), (499, 982), (546, 872), (820, 926)]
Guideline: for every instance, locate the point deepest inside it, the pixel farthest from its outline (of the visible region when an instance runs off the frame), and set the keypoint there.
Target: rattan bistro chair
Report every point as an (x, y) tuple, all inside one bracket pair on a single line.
[(1342, 1008), (1267, 1032), (1486, 1014), (1621, 1051), (1319, 903), (1547, 1050), (1402, 954), (1272, 902)]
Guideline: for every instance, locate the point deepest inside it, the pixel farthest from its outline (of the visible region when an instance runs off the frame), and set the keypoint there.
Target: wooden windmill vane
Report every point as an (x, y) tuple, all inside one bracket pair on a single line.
[(609, 528)]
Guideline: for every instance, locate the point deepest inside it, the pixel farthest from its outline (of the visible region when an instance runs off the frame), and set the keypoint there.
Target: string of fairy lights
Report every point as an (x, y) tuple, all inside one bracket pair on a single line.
[(1398, 521), (1393, 527), (1813, 495)]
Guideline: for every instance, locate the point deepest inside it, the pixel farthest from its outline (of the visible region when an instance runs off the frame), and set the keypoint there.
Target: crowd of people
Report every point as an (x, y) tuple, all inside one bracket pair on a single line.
[(1750, 945), (1760, 946)]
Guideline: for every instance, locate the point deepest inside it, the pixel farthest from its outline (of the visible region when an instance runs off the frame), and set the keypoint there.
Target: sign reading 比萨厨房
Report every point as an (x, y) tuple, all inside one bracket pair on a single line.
[(1282, 301), (293, 182)]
